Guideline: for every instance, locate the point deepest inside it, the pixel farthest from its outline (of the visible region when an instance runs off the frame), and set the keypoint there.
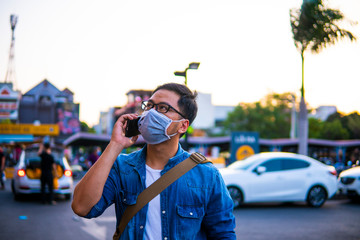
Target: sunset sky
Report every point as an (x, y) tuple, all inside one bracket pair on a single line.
[(102, 49)]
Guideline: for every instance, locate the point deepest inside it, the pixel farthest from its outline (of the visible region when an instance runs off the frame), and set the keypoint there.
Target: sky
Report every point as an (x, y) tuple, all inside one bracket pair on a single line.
[(102, 49)]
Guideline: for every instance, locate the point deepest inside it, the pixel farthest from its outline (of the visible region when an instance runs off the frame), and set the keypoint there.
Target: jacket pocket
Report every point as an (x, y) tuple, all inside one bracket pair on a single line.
[(128, 198), (189, 220)]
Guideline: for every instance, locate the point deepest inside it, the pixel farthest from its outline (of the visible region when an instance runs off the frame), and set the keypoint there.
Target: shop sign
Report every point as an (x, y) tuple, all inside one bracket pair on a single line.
[(244, 144), (37, 130)]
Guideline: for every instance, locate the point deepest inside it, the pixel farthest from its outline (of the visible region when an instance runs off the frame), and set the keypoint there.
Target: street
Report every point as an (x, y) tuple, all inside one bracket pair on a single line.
[(29, 219)]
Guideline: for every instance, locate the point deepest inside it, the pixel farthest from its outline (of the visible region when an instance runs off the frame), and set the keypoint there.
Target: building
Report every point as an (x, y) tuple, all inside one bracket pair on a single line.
[(206, 112), (323, 112), (208, 117), (9, 103), (133, 105), (46, 104)]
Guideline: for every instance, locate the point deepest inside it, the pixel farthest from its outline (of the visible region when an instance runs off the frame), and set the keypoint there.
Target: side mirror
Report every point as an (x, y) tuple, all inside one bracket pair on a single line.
[(260, 170)]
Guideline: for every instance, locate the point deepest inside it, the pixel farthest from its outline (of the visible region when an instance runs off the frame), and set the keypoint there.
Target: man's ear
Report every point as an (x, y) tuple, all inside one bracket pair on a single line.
[(184, 126)]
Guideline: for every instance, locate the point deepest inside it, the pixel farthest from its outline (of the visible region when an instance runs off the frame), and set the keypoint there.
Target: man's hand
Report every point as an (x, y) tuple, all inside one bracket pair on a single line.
[(90, 188), (118, 134)]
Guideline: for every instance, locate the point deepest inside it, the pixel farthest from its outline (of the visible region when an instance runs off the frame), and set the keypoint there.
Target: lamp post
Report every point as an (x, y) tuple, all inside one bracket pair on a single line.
[(194, 66)]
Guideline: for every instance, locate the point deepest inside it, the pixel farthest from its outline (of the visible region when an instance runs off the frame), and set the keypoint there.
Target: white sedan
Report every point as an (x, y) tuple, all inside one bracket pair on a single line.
[(27, 174), (349, 183), (280, 177)]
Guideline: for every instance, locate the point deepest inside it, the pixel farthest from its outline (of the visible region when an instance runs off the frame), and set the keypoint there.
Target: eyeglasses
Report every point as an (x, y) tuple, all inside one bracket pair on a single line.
[(160, 107)]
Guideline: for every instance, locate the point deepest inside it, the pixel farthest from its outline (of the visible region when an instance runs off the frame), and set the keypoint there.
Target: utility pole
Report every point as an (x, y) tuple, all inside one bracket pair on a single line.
[(194, 66), (10, 73)]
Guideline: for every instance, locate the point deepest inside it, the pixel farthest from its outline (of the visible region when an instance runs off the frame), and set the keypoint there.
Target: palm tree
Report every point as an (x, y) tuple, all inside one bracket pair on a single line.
[(313, 27)]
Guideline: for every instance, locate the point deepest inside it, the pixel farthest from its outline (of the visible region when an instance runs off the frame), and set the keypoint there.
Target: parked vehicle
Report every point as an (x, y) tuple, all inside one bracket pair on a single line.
[(349, 183), (280, 177), (27, 173)]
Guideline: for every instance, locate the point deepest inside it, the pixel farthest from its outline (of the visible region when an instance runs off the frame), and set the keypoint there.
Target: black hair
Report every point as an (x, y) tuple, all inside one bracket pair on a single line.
[(187, 102), (46, 146)]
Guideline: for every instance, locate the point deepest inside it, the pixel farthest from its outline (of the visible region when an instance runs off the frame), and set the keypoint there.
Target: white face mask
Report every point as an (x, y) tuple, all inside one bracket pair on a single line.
[(153, 126)]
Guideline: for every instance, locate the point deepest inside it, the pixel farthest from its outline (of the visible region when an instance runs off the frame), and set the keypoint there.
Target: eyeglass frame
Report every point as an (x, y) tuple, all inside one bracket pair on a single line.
[(155, 106)]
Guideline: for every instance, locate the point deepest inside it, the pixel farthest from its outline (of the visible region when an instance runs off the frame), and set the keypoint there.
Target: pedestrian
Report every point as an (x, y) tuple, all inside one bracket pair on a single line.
[(48, 165), (92, 157), (2, 168), (195, 206)]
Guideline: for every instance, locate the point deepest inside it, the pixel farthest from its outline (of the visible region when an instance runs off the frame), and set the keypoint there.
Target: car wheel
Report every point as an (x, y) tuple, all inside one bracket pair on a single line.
[(316, 197), (236, 196), (17, 196), (68, 196), (354, 199)]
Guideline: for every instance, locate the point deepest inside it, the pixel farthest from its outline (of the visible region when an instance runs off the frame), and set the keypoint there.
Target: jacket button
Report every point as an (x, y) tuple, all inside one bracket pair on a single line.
[(163, 212), (141, 227), (191, 214)]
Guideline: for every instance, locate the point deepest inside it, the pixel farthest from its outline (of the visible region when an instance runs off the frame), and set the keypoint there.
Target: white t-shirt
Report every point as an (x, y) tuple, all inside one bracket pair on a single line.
[(153, 217)]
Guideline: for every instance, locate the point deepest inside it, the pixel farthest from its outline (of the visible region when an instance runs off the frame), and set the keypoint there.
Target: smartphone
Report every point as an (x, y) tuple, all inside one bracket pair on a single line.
[(132, 128)]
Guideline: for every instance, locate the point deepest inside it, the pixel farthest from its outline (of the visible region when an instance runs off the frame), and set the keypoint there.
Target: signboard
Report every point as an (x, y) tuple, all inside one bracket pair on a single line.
[(39, 130), (68, 118), (9, 102), (244, 144)]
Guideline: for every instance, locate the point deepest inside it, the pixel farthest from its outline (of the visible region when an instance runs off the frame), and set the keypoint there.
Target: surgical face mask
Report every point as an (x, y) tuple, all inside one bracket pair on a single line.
[(153, 126)]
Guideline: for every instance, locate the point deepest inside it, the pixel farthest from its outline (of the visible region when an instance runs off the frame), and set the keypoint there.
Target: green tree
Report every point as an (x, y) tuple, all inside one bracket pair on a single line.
[(270, 117), (353, 125), (313, 27), (350, 122), (335, 116), (85, 128), (334, 131), (315, 127)]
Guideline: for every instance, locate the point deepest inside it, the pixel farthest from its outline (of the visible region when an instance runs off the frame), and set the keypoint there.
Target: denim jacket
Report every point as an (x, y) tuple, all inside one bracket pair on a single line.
[(196, 206)]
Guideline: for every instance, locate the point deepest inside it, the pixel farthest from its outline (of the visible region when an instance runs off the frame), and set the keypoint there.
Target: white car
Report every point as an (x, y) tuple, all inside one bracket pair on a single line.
[(280, 177), (349, 183), (27, 172)]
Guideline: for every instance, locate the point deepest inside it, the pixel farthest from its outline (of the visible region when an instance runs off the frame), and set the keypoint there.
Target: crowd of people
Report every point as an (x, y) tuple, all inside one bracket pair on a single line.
[(85, 159)]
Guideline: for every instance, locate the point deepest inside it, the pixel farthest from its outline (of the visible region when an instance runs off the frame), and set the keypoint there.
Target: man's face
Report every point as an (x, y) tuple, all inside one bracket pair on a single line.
[(168, 97), (171, 98)]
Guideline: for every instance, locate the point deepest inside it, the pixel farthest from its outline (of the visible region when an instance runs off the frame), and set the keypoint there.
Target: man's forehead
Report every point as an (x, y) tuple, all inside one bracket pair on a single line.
[(165, 96)]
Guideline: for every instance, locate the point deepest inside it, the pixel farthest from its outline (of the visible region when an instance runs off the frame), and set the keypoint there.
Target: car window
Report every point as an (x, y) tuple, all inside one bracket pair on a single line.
[(289, 164), (272, 165), (33, 154), (33, 163), (244, 164)]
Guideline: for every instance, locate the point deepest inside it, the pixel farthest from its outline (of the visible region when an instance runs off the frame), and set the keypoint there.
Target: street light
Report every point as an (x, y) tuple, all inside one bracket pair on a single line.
[(193, 65)]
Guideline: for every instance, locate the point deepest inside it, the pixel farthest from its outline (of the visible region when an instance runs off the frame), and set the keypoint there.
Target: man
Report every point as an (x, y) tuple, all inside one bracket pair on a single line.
[(2, 168), (93, 157), (48, 165), (196, 206)]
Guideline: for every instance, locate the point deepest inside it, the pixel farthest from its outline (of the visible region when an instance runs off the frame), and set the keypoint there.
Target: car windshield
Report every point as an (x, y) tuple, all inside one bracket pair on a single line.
[(244, 164)]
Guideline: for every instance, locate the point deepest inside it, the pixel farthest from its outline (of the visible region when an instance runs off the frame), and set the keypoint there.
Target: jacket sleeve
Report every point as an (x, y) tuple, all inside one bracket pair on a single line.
[(219, 221), (108, 195)]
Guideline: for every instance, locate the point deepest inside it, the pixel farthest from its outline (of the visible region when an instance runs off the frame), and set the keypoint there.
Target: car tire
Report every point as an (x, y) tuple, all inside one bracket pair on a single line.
[(316, 197), (236, 196), (68, 196), (17, 196)]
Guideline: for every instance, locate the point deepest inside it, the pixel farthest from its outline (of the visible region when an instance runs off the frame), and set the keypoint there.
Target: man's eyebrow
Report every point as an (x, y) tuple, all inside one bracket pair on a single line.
[(158, 103)]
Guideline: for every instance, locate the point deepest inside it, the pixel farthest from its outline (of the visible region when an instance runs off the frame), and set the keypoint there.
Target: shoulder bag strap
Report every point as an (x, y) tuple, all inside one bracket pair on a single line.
[(156, 188)]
